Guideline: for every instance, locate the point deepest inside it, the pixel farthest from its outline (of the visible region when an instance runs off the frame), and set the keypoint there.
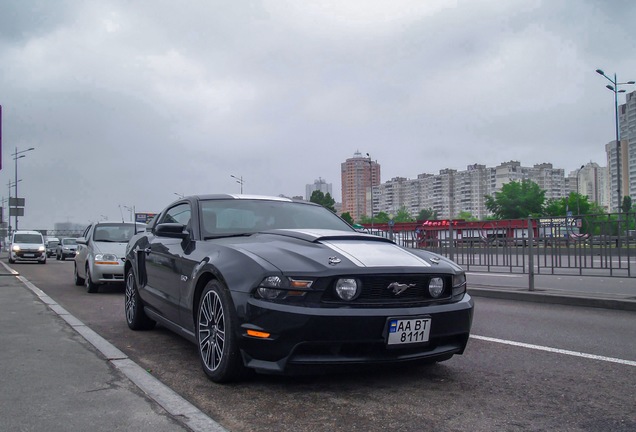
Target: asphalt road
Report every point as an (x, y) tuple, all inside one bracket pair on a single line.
[(577, 372)]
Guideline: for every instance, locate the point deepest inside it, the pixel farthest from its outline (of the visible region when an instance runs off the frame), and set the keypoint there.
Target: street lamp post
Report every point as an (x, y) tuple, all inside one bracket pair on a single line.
[(614, 88), (371, 188), (18, 155), (578, 196), (239, 180), (10, 185)]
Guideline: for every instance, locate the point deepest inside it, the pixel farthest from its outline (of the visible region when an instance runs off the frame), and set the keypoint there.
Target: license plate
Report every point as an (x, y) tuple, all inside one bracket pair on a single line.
[(408, 331), (28, 255)]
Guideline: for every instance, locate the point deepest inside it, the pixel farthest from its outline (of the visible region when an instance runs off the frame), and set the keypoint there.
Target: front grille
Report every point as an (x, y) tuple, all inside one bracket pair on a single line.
[(376, 291)]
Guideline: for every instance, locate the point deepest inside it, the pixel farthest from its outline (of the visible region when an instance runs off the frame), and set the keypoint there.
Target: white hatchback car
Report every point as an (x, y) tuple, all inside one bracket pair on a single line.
[(27, 246), (101, 253)]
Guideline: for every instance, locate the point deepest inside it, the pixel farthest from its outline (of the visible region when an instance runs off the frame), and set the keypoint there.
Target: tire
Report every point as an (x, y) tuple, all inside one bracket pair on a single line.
[(42, 262), (78, 280), (11, 261), (216, 335), (136, 318), (91, 287)]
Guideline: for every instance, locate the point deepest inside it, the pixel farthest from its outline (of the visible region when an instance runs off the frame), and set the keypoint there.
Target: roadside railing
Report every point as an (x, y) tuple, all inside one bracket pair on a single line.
[(590, 245)]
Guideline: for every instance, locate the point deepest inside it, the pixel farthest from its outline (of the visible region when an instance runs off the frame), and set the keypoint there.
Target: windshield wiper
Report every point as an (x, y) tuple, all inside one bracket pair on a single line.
[(228, 235)]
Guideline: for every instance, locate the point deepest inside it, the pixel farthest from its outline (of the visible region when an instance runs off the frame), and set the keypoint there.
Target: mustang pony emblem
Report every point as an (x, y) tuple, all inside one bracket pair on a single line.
[(399, 288), (334, 260)]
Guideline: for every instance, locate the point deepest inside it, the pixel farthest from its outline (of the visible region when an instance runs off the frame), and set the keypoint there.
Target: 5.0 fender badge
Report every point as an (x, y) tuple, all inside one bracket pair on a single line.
[(334, 260)]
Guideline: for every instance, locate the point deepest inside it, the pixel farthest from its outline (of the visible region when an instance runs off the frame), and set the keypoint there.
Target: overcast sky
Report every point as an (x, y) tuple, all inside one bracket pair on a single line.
[(129, 102)]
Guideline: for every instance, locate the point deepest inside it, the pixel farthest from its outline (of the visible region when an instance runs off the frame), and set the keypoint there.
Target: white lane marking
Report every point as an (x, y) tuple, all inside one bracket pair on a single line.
[(556, 350)]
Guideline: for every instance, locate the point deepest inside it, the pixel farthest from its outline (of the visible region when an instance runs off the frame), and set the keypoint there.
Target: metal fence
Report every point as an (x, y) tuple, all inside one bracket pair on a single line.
[(590, 245)]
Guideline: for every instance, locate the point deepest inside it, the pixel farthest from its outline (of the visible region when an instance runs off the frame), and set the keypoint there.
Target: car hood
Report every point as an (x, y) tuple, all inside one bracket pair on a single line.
[(118, 249), (334, 251)]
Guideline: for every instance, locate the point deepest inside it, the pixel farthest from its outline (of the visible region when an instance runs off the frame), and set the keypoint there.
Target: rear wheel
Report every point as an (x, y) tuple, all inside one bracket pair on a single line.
[(91, 287), (78, 280), (216, 334), (135, 315)]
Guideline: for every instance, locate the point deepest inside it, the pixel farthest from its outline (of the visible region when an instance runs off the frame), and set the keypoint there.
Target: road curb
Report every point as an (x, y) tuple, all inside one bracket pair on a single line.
[(553, 298)]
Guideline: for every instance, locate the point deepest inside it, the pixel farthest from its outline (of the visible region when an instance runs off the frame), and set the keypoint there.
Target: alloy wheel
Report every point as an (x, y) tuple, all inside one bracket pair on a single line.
[(211, 327)]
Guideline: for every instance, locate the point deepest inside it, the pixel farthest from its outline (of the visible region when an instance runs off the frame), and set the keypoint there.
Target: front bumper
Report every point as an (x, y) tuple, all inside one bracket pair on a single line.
[(302, 337), (36, 256), (108, 273)]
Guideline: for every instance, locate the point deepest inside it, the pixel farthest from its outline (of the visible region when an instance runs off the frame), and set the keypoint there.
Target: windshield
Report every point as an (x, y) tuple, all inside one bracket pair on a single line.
[(239, 216), (115, 232), (69, 241), (27, 238)]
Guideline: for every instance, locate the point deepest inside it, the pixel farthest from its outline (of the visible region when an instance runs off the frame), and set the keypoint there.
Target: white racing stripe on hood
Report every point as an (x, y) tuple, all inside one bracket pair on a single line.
[(375, 254)]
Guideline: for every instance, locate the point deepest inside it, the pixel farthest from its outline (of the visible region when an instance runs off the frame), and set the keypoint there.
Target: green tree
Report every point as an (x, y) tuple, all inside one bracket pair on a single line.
[(347, 217), (516, 200), (403, 215), (626, 206), (324, 200), (465, 215), (576, 203), (427, 214)]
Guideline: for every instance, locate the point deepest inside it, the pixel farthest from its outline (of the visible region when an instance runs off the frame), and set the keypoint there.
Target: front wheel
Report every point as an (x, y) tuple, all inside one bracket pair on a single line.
[(216, 334), (91, 287), (78, 280), (136, 317)]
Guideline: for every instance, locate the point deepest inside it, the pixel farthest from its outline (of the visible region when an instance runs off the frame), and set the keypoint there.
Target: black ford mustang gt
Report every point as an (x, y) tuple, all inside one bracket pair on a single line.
[(277, 285)]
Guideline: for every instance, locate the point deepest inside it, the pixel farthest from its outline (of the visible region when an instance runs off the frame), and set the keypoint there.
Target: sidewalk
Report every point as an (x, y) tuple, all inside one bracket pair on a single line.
[(552, 289), (59, 375)]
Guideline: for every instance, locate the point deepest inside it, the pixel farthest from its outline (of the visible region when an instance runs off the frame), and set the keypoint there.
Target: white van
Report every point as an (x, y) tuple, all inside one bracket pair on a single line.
[(27, 246)]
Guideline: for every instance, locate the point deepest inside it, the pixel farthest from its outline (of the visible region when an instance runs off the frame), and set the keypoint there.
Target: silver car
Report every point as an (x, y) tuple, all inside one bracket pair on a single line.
[(101, 251)]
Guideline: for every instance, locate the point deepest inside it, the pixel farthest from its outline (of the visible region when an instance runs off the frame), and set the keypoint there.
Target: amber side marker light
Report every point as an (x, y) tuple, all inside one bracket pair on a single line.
[(258, 334)]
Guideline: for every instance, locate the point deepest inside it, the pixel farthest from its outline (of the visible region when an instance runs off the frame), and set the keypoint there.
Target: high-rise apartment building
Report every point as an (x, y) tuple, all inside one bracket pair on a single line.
[(320, 185), (451, 192), (358, 175), (590, 181), (612, 173), (627, 121)]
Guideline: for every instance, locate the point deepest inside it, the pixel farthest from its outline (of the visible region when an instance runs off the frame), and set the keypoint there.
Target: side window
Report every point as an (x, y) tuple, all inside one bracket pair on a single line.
[(178, 214), (86, 232)]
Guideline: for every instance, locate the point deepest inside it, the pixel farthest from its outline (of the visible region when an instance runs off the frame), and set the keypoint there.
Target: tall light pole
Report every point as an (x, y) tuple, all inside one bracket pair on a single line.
[(614, 88), (239, 180), (371, 188), (578, 196), (18, 155), (10, 184)]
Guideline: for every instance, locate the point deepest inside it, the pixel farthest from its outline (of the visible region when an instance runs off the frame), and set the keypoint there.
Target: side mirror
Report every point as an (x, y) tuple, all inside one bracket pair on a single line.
[(81, 240), (172, 230)]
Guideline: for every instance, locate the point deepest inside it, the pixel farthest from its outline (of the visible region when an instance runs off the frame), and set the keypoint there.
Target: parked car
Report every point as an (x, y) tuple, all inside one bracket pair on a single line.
[(276, 285), (51, 245), (27, 246), (66, 248), (100, 253)]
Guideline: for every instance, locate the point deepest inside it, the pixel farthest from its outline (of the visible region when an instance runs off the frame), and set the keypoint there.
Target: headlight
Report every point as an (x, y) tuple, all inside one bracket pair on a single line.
[(436, 287), (459, 284), (277, 287), (41, 249), (16, 248), (106, 259), (348, 289)]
